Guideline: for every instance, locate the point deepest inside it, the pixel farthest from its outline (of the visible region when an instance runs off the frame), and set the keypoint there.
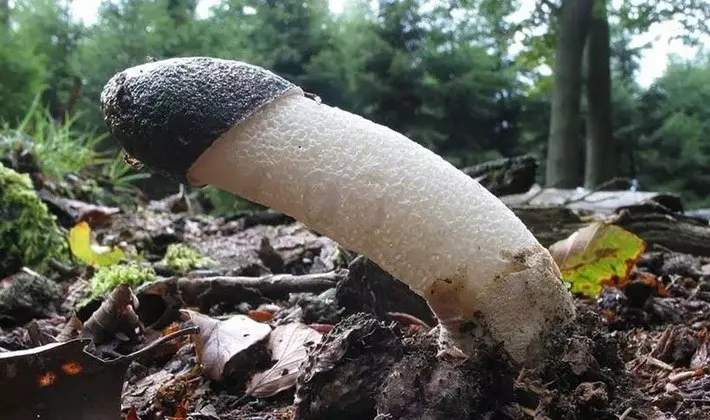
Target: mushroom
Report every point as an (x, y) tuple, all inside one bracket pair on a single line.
[(248, 131)]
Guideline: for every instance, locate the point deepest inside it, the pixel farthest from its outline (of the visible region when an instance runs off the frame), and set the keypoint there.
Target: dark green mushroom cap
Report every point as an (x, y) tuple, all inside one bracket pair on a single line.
[(167, 113)]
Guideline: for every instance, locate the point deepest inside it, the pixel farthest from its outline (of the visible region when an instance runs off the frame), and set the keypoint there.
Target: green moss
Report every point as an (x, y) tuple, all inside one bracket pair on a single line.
[(29, 235), (107, 278), (183, 258)]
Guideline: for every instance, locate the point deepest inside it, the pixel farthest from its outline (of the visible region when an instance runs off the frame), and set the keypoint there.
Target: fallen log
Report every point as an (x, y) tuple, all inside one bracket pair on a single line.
[(656, 224), (505, 176)]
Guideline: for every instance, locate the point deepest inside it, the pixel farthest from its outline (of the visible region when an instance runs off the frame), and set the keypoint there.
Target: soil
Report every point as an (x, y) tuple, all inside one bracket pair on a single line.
[(638, 352)]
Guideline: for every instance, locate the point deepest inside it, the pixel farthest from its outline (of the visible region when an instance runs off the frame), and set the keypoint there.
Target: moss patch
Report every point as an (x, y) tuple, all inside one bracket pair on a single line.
[(29, 235), (183, 258), (107, 278)]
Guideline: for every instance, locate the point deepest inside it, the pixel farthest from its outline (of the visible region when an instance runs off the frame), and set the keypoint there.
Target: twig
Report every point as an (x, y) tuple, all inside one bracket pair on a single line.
[(625, 413), (163, 339), (208, 291), (521, 375), (529, 411), (659, 363), (684, 376), (662, 343), (274, 283)]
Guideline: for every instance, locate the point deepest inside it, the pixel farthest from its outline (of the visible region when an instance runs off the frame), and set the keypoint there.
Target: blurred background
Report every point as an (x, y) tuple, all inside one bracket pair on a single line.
[(595, 89)]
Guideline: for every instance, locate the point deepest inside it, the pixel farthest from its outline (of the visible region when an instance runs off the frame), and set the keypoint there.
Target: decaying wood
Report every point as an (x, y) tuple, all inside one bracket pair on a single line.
[(505, 176), (674, 231), (654, 223)]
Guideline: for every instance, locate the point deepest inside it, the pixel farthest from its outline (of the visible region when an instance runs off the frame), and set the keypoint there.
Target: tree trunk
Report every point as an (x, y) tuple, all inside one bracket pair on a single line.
[(601, 159), (563, 151), (4, 14)]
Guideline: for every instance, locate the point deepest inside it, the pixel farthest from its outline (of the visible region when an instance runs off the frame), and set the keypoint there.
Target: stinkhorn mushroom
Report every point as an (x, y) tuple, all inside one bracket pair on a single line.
[(248, 131)]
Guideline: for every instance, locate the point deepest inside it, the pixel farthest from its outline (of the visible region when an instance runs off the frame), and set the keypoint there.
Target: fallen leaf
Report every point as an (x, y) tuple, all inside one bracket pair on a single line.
[(596, 255), (223, 347), (116, 314), (289, 346), (260, 316), (90, 253), (42, 382), (73, 211)]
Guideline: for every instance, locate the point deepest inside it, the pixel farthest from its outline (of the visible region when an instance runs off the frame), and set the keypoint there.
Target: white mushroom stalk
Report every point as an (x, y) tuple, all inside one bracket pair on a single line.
[(247, 131)]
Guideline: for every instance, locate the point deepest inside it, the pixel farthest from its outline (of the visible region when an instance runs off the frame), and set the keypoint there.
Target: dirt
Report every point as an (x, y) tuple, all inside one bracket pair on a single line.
[(638, 352)]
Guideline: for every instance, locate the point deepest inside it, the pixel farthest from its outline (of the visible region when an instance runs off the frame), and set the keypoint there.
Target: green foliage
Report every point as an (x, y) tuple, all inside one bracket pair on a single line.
[(222, 203), (107, 278), (183, 258), (58, 148), (43, 35), (21, 78), (118, 181), (28, 233), (674, 121)]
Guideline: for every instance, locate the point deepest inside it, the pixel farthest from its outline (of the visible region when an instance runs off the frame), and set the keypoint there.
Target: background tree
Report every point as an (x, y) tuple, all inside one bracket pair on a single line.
[(601, 149), (564, 152)]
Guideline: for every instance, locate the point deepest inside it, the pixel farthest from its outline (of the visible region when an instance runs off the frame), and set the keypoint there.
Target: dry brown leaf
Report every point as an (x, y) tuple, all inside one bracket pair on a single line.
[(260, 316), (223, 347), (289, 346)]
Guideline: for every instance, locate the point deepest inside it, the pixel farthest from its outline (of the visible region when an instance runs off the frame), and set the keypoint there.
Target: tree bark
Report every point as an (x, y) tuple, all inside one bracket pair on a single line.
[(563, 152), (601, 159)]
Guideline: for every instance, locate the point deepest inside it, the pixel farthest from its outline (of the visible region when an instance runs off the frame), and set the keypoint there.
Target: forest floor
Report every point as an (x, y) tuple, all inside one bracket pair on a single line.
[(309, 329)]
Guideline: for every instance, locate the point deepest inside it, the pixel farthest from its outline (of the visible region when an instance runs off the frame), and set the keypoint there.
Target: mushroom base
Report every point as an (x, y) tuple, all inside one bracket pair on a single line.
[(381, 194)]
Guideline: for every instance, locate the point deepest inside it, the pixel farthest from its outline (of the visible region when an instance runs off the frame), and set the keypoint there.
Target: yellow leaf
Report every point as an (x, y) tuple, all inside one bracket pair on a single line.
[(597, 255), (93, 254)]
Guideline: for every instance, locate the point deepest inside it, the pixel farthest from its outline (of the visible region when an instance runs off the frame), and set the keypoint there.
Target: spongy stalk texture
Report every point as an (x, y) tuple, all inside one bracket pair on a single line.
[(378, 193)]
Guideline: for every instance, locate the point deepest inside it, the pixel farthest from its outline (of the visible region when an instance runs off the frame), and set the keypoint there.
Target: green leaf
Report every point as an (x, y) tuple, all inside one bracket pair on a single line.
[(93, 254), (597, 255)]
